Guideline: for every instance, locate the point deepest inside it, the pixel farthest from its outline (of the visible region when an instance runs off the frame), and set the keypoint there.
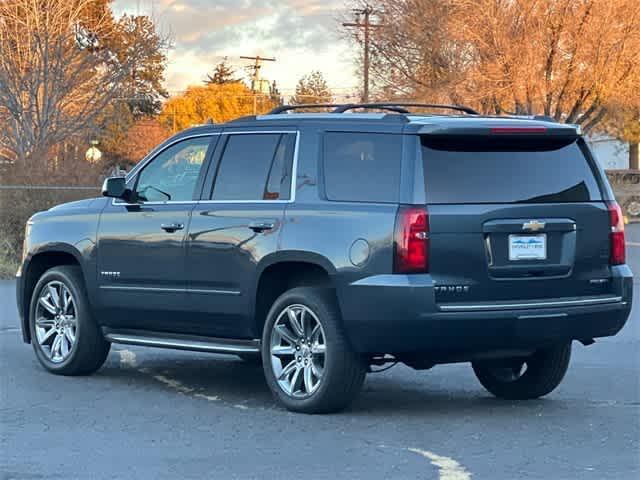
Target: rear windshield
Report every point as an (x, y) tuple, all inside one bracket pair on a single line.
[(499, 170)]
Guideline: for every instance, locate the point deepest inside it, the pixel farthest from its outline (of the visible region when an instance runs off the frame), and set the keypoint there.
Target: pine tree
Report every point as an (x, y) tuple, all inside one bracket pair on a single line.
[(223, 73), (275, 95), (312, 88)]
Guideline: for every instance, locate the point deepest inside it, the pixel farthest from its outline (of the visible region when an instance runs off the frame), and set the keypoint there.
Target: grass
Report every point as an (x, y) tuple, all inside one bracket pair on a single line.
[(8, 268), (8, 258)]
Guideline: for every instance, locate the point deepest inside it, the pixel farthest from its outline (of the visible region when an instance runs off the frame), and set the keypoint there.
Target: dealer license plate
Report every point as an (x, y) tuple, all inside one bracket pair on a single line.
[(528, 247)]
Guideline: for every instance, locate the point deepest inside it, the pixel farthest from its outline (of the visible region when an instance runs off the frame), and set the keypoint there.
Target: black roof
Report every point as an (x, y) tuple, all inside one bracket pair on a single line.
[(462, 120)]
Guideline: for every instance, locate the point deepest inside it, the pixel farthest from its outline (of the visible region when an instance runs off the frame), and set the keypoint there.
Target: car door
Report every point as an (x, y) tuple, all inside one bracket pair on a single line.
[(141, 245), (235, 225)]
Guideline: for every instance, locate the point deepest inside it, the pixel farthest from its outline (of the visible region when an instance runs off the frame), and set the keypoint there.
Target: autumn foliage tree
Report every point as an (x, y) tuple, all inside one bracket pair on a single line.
[(62, 64), (143, 136), (573, 60), (215, 102)]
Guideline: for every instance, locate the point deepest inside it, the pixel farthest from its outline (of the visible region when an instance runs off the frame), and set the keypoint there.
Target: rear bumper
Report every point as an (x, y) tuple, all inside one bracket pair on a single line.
[(398, 314)]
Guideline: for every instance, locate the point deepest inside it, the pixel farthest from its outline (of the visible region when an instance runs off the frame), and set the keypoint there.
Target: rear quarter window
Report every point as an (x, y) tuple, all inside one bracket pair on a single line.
[(362, 167), (464, 170)]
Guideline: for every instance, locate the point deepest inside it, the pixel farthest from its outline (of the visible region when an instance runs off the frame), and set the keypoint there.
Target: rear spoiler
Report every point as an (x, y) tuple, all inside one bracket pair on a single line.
[(501, 129)]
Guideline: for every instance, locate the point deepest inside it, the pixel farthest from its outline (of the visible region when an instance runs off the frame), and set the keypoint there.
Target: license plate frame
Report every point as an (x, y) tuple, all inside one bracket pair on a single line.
[(527, 247)]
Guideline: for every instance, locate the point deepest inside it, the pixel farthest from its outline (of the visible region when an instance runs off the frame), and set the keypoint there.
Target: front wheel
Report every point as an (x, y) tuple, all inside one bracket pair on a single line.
[(65, 337), (308, 363), (525, 378)]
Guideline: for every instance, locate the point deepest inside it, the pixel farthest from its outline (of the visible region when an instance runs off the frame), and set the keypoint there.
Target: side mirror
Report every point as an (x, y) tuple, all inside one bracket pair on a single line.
[(115, 187)]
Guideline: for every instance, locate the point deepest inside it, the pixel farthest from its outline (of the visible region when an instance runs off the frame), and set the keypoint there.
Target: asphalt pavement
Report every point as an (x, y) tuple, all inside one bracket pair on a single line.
[(165, 414)]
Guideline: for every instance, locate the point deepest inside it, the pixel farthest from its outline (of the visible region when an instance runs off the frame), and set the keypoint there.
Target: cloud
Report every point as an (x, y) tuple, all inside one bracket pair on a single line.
[(297, 32)]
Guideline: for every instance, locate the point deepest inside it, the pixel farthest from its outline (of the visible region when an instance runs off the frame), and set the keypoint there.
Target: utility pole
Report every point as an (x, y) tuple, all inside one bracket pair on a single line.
[(365, 25), (255, 76)]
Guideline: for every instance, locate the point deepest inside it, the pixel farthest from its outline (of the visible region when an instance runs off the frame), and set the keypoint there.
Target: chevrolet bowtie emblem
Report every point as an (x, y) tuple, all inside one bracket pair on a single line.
[(533, 225)]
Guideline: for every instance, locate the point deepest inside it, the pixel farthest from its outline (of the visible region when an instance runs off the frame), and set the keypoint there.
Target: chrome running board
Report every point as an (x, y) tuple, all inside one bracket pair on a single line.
[(181, 342)]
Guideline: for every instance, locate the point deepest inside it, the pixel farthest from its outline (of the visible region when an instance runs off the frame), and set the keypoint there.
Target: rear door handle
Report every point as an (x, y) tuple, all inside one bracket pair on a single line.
[(261, 226), (172, 227)]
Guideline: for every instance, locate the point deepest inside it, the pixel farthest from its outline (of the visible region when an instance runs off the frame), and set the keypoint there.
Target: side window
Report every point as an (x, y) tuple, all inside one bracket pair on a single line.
[(279, 182), (362, 167), (255, 167), (173, 173)]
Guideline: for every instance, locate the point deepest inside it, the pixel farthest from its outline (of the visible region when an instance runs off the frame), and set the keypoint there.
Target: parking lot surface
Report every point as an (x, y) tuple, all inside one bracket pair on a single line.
[(166, 414)]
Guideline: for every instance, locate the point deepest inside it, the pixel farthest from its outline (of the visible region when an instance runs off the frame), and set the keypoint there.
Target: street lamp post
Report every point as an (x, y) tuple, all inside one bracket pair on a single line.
[(93, 155)]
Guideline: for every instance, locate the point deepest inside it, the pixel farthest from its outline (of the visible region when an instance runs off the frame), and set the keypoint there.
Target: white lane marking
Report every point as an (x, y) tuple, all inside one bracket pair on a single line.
[(128, 358), (211, 398), (633, 244), (175, 384), (182, 388), (448, 468)]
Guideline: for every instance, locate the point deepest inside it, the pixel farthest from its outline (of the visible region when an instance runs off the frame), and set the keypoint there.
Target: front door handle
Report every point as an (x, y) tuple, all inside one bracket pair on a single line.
[(172, 227), (261, 226)]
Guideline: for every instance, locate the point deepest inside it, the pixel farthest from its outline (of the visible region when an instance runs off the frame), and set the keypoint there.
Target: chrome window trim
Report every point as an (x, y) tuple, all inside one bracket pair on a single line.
[(528, 305), (153, 154), (292, 187)]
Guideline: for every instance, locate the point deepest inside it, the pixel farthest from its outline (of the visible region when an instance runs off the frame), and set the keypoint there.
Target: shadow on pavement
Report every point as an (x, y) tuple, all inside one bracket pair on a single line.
[(235, 382)]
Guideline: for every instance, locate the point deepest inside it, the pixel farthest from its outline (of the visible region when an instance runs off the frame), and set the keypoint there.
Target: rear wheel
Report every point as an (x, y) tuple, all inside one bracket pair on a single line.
[(65, 338), (525, 378), (308, 363)]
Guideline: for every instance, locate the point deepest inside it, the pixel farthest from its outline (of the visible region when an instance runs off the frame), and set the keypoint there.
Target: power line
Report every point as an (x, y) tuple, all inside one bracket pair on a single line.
[(365, 25), (257, 65)]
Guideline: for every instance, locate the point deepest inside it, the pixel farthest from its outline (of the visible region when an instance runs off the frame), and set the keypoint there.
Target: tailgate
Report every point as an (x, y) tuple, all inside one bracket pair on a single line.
[(514, 219)]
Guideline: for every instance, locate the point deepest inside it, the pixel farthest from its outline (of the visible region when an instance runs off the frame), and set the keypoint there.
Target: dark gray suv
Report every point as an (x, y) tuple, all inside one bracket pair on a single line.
[(322, 244)]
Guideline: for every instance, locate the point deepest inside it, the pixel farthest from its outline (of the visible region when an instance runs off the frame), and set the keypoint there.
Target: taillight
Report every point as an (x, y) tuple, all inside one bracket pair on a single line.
[(411, 240), (616, 221)]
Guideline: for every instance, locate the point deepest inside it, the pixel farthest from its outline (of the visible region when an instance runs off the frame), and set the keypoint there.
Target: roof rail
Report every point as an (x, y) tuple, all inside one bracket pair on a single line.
[(286, 108), (545, 118), (397, 107)]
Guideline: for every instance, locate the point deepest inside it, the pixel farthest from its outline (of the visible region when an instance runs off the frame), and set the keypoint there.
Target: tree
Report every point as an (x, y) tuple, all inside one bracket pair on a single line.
[(568, 59), (138, 140), (217, 102), (142, 90), (275, 95), (59, 70), (312, 88), (624, 123), (223, 73)]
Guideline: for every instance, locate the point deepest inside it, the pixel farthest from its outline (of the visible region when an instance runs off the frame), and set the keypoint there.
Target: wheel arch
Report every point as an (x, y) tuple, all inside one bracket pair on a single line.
[(282, 271), (38, 263)]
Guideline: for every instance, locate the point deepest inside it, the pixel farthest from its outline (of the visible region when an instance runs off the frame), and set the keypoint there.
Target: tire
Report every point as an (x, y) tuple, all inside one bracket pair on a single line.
[(334, 374), (545, 369), (251, 358), (86, 349)]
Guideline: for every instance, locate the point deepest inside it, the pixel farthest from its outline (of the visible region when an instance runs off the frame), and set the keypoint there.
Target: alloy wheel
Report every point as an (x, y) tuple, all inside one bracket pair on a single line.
[(56, 321), (297, 350)]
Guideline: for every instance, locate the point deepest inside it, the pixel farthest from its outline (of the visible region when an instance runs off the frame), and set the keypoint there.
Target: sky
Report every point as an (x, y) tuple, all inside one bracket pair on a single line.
[(303, 35)]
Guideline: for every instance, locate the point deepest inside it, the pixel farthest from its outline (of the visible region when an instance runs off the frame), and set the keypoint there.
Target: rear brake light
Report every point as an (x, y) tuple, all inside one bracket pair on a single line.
[(616, 237), (411, 240), (519, 130)]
